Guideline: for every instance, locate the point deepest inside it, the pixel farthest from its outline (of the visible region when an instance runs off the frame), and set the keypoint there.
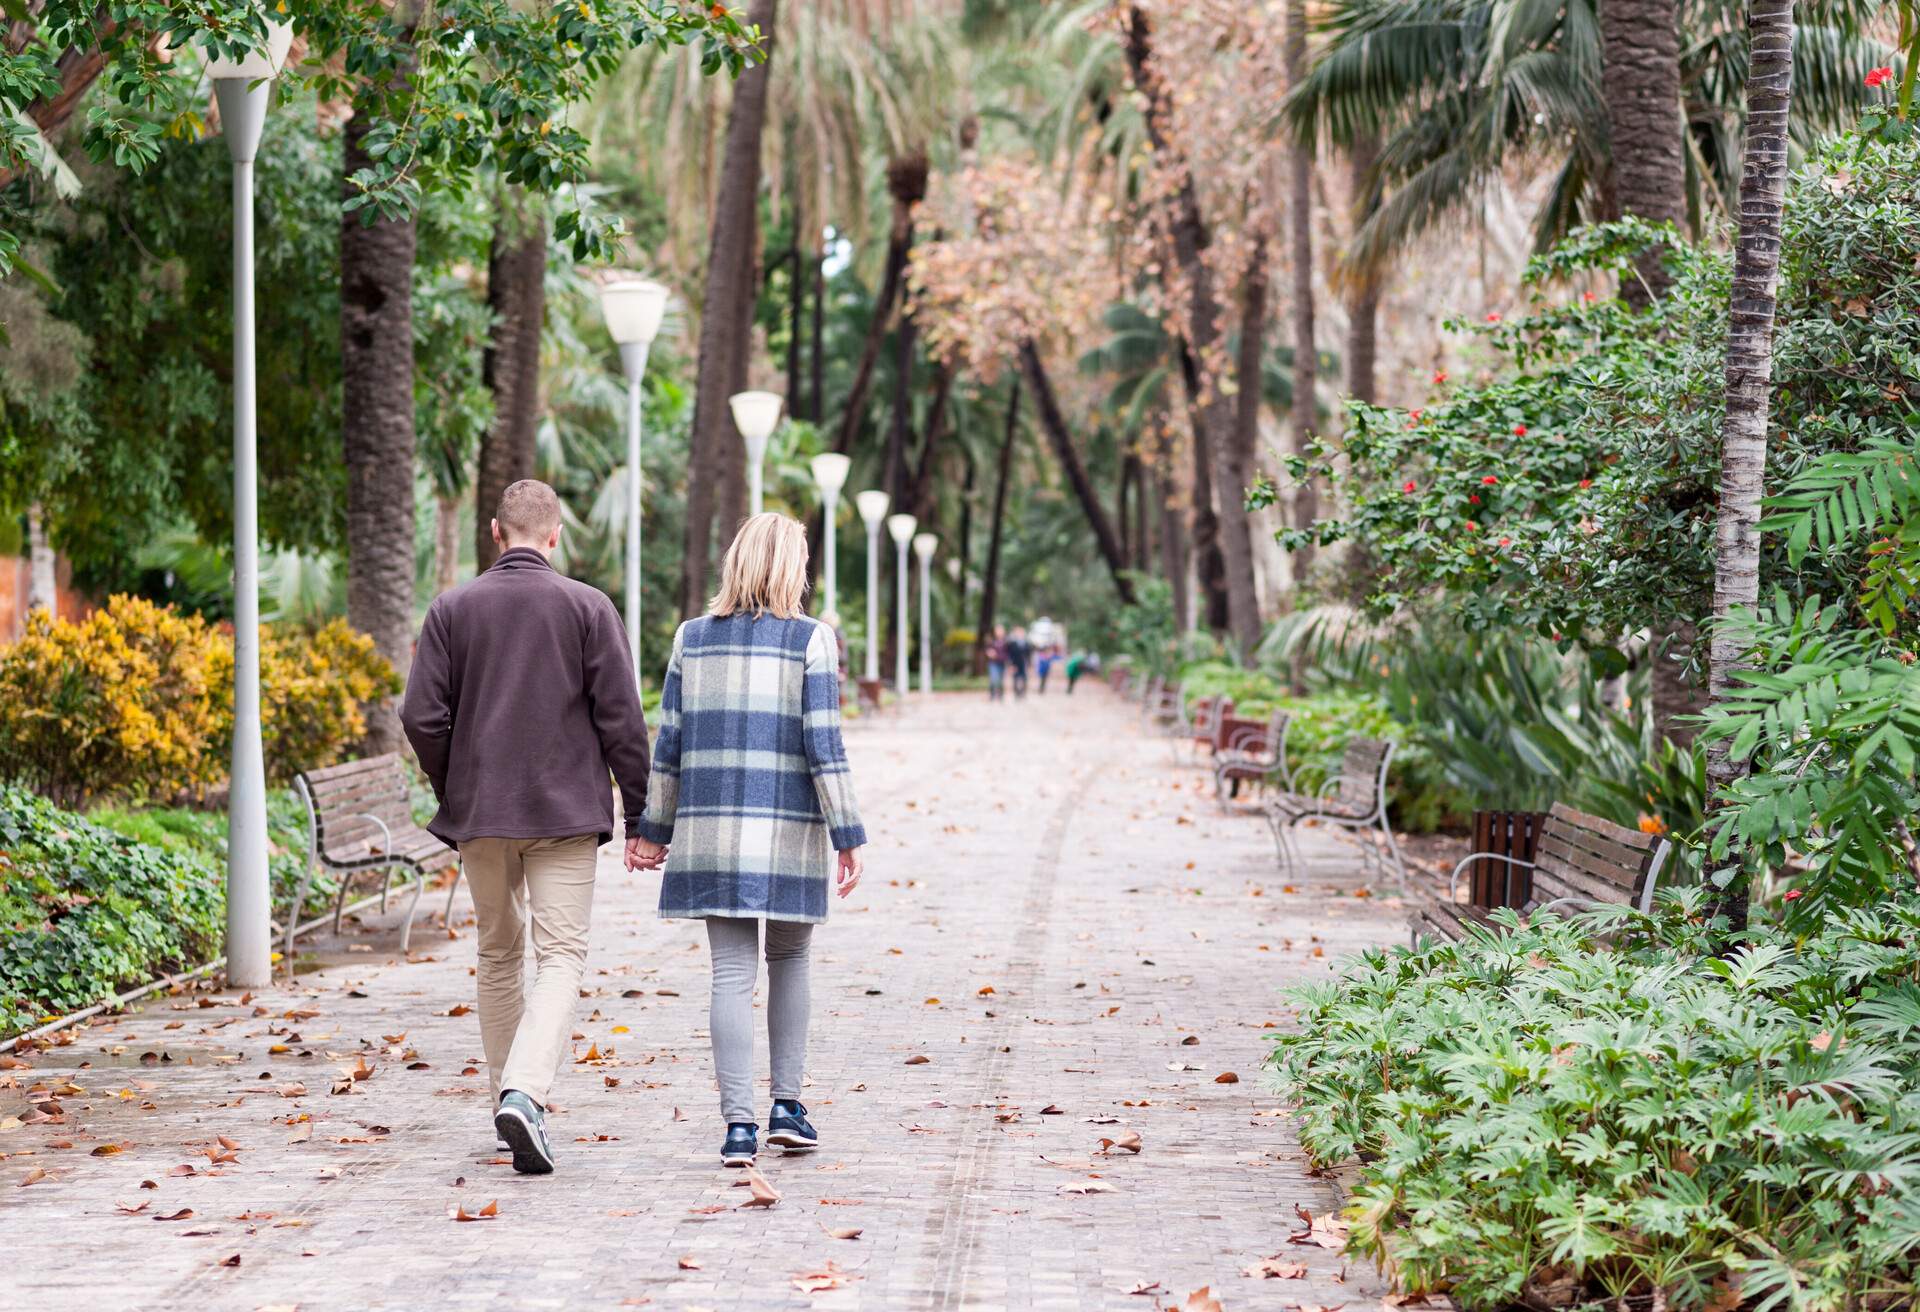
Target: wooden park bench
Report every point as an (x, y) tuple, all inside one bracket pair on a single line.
[(870, 694), (1354, 800), (1209, 720), (360, 817), (1250, 752), (1579, 860)]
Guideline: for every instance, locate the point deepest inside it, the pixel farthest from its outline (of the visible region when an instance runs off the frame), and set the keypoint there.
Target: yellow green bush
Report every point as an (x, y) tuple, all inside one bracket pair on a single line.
[(135, 701)]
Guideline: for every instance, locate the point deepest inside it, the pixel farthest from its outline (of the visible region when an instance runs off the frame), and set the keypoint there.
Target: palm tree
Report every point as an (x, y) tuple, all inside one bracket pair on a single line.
[(510, 366), (1300, 226), (1640, 69)]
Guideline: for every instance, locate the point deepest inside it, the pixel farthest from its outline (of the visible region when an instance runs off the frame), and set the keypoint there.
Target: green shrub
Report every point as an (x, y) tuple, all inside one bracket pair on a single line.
[(85, 912), (1546, 1119)]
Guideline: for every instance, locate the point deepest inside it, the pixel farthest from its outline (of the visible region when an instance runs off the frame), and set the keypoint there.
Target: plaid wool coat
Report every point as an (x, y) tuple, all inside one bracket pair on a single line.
[(750, 786)]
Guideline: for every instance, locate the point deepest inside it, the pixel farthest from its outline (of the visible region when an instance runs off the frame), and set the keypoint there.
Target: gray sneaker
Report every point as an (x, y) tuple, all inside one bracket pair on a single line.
[(522, 1125)]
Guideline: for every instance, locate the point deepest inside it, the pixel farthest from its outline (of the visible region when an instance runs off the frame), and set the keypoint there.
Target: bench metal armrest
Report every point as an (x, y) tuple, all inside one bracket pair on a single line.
[(1246, 740), (1570, 901), (386, 832), (1453, 880), (1327, 790)]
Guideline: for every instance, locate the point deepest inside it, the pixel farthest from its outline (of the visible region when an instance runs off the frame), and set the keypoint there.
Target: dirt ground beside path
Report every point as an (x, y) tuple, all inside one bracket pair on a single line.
[(1060, 940)]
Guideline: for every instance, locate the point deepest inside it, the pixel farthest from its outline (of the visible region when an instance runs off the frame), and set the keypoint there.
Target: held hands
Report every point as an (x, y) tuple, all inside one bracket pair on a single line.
[(848, 877), (645, 854)]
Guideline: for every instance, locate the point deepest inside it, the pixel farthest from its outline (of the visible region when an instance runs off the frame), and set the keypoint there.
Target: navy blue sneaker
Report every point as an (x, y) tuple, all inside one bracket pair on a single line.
[(521, 1124), (742, 1144), (789, 1128)]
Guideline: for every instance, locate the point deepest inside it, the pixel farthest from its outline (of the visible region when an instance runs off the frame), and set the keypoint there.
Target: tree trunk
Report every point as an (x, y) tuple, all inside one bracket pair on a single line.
[(1055, 427), (1210, 570), (1743, 444), (1253, 345), (1190, 237), (921, 494), (1674, 696), (446, 542), (510, 366), (716, 459), (1306, 359), (796, 326), (43, 582), (1363, 310), (990, 583), (817, 393), (1173, 555), (1142, 525), (376, 372), (907, 183), (1122, 510), (1640, 75), (896, 477)]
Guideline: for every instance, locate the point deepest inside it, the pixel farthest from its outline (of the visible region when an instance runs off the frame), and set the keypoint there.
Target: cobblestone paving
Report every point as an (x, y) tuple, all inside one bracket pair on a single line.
[(1060, 940)]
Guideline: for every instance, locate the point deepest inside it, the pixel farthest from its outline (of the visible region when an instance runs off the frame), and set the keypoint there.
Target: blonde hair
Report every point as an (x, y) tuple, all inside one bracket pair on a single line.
[(765, 571)]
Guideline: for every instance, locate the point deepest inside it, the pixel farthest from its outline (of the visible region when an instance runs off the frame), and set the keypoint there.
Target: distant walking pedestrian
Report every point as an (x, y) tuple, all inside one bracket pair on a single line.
[(1019, 653), (996, 653), (521, 701), (750, 793)]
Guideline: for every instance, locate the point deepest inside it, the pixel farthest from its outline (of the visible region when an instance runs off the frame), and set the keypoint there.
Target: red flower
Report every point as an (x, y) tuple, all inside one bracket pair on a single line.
[(1439, 376), (1795, 894), (1473, 499), (1585, 483), (1506, 542), (1588, 297), (1494, 317), (1490, 480), (1879, 76), (1472, 527), (1519, 430), (1409, 487), (1414, 415)]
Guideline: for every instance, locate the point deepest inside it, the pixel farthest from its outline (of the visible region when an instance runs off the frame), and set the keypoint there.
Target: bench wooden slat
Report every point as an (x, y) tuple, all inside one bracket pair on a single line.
[(1554, 855), (1607, 829), (365, 765)]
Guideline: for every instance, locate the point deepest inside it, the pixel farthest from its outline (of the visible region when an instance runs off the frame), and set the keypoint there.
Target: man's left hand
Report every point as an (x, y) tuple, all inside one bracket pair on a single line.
[(645, 854)]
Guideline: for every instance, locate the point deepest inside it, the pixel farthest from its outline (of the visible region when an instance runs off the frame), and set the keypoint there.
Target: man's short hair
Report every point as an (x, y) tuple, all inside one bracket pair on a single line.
[(529, 511)]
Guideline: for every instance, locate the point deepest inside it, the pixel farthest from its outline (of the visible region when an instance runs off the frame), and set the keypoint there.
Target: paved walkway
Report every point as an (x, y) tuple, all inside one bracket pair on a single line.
[(1060, 940)]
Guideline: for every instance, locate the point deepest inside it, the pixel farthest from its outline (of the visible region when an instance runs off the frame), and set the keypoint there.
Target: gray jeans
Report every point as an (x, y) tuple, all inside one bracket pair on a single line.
[(736, 951)]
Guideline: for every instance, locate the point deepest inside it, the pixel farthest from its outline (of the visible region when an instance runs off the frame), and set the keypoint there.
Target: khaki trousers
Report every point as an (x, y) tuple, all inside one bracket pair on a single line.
[(525, 1032)]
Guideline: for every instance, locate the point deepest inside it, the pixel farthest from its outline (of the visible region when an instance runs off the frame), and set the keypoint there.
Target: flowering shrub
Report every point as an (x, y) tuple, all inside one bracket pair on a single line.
[(1547, 1118), (136, 701)]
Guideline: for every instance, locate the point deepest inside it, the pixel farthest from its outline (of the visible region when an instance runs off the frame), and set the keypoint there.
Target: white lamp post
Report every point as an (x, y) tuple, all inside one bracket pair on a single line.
[(830, 472), (633, 308), (755, 414), (923, 545), (901, 527), (873, 509), (241, 87)]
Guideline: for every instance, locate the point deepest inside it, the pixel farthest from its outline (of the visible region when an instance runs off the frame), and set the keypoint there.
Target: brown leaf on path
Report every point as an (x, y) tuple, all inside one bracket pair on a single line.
[(185, 1168), (184, 1214), (302, 1133), (460, 1009), (216, 1156), (230, 1260), (1272, 1268), (828, 1276), (1128, 1142), (1190, 1041), (35, 1176), (149, 1184), (1201, 1300), (985, 990), (710, 1209), (1051, 1110), (109, 1149), (487, 1213), (689, 1263), (1226, 1077), (844, 1232), (764, 1194), (918, 1059), (1089, 1187), (1144, 1287), (292, 1091), (133, 1209), (1326, 1230)]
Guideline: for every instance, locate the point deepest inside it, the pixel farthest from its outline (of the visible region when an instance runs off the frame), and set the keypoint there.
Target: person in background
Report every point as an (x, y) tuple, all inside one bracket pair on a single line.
[(1075, 664), (1019, 652), (521, 703), (996, 653), (751, 798)]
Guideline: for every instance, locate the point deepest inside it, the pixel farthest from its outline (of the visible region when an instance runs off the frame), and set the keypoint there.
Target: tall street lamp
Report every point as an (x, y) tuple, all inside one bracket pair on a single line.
[(633, 308), (901, 527), (873, 509), (923, 545), (755, 414), (830, 472), (242, 88)]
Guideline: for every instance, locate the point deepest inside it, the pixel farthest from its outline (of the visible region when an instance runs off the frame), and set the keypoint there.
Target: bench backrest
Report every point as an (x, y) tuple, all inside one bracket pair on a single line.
[(1582, 856), (344, 796), (1363, 773), (1209, 714)]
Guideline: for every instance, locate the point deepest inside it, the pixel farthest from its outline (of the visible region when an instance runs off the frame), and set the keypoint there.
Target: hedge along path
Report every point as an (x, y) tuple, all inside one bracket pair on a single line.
[(1060, 941)]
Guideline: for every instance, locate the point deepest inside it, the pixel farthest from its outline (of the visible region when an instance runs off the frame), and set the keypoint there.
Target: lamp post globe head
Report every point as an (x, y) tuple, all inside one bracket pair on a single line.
[(873, 508), (755, 414), (830, 472), (901, 527), (633, 309), (923, 545), (256, 64)]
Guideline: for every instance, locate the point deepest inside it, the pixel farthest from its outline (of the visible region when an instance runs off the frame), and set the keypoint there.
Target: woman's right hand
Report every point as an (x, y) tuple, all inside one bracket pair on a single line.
[(848, 877)]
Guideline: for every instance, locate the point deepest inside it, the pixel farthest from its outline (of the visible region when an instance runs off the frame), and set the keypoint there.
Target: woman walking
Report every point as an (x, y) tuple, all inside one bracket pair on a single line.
[(750, 796)]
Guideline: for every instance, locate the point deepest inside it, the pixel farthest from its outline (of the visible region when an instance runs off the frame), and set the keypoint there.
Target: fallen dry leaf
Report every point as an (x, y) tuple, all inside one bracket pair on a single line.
[(459, 1010), (133, 1209), (1226, 1077), (764, 1194), (844, 1232), (1272, 1268), (826, 1277), (689, 1263), (918, 1059), (1201, 1300), (184, 1214), (1326, 1230), (1088, 1187), (35, 1176), (1128, 1142), (487, 1213)]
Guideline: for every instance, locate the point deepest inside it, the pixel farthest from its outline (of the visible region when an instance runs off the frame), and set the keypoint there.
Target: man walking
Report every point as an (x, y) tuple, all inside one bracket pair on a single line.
[(1019, 652), (522, 699)]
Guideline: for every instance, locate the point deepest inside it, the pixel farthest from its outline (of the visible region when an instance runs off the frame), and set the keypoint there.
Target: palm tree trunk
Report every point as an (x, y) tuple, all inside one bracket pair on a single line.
[(510, 366), (817, 392), (1122, 509), (1210, 569), (1743, 443), (1054, 424), (1173, 554), (376, 371), (796, 326), (1363, 309), (1306, 360), (446, 542), (1187, 230), (907, 184), (716, 473), (1640, 74), (990, 583), (1253, 346), (920, 498), (43, 579)]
